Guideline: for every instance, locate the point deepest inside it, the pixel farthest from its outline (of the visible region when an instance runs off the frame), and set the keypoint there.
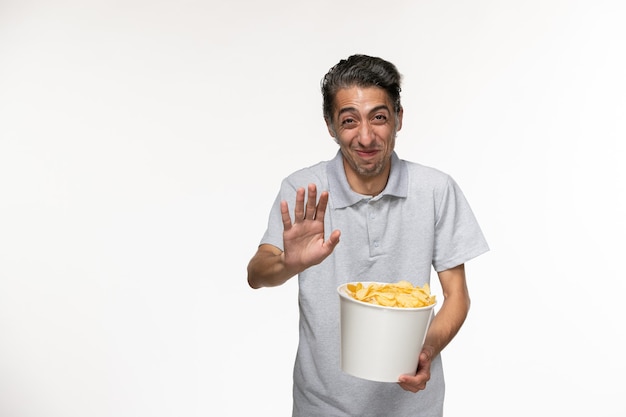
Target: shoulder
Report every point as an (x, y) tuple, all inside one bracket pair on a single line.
[(312, 174), (426, 176)]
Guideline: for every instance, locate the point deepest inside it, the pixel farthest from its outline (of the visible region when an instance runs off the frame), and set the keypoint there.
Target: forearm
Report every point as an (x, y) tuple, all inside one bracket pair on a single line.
[(267, 268), (452, 313), (446, 324)]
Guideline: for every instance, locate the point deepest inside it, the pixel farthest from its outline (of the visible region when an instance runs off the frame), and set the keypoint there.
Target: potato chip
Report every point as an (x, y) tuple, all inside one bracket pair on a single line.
[(400, 294)]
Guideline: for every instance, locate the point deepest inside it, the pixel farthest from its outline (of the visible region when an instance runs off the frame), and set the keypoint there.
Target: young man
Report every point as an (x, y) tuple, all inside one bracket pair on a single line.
[(377, 218)]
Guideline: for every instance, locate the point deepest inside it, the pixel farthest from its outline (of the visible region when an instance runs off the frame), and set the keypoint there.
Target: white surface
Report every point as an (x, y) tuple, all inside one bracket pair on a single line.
[(380, 343), (142, 144)]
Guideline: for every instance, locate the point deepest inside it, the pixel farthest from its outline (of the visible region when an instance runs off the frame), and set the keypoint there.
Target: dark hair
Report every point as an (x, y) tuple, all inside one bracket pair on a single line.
[(361, 71)]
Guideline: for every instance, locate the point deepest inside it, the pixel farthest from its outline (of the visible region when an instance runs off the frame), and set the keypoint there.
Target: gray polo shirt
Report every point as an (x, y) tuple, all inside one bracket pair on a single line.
[(421, 221)]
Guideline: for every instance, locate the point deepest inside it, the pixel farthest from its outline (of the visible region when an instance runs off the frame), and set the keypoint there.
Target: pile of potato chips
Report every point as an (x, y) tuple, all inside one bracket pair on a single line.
[(400, 294)]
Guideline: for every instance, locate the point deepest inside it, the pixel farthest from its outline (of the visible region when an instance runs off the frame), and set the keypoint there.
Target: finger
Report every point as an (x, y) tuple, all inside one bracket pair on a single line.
[(408, 387), (321, 206), (299, 210), (311, 202), (284, 211), (333, 239)]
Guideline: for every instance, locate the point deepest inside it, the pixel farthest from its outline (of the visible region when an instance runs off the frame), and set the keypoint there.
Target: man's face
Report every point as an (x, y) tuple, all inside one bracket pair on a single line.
[(365, 125)]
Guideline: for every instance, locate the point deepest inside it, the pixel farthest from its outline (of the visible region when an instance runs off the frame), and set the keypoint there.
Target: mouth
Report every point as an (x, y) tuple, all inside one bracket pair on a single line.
[(367, 154)]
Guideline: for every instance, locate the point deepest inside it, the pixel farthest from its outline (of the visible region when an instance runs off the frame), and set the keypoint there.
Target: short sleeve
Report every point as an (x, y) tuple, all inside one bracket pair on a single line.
[(458, 237)]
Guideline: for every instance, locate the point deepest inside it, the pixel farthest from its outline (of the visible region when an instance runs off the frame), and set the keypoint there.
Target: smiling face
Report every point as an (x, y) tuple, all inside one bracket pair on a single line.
[(364, 125)]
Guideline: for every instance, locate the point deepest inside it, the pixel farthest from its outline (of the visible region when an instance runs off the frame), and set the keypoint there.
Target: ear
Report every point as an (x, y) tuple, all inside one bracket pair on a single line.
[(399, 119)]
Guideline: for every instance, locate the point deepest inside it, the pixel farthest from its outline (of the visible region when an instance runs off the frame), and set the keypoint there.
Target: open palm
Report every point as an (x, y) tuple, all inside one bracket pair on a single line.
[(304, 243)]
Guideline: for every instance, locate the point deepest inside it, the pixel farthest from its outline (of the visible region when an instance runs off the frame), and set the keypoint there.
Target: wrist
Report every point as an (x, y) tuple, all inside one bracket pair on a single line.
[(430, 351), (289, 269)]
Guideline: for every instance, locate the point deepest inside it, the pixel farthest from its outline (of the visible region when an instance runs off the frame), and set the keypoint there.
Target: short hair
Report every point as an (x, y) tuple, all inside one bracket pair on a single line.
[(361, 71)]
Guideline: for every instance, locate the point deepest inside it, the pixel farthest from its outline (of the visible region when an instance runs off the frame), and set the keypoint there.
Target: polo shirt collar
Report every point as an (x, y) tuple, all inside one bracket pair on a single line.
[(343, 196)]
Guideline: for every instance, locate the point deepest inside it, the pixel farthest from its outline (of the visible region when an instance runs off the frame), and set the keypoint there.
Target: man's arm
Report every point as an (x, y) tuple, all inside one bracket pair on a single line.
[(444, 327), (453, 312), (267, 268)]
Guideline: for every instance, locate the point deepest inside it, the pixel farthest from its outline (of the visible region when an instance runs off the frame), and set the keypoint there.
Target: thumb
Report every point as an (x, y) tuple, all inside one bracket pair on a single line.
[(333, 239)]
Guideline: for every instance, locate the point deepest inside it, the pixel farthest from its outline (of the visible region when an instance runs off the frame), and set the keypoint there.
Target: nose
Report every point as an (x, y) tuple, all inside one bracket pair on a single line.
[(366, 135)]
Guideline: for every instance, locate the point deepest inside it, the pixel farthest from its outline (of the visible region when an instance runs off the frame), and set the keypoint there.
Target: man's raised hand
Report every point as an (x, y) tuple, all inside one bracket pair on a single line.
[(304, 243)]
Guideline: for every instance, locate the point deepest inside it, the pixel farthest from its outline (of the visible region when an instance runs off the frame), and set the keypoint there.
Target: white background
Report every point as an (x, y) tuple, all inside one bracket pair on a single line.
[(142, 144)]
